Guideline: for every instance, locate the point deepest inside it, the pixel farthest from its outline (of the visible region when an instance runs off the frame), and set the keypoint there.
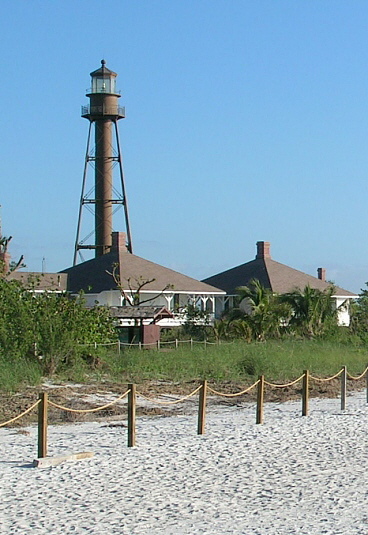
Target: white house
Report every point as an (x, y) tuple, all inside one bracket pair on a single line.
[(115, 278), (280, 279)]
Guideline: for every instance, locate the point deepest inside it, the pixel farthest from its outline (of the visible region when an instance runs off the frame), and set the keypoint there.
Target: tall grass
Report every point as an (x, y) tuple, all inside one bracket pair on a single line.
[(18, 372), (238, 362)]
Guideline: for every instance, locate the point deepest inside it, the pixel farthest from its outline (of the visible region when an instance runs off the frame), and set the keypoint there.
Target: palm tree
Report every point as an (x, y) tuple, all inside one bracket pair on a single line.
[(241, 328), (312, 309), (266, 314)]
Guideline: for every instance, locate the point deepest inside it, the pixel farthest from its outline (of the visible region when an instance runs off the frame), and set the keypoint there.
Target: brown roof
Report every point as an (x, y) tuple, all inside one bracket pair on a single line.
[(92, 276), (278, 277), (103, 71), (53, 282)]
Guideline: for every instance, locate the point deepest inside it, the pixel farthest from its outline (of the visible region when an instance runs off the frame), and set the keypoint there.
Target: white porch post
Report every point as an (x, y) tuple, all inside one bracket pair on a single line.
[(169, 298)]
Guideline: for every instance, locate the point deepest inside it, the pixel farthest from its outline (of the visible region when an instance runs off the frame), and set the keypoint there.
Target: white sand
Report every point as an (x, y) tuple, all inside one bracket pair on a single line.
[(292, 475)]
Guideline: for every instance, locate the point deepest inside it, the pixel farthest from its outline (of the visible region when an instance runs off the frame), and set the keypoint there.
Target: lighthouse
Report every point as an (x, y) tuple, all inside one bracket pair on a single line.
[(107, 193)]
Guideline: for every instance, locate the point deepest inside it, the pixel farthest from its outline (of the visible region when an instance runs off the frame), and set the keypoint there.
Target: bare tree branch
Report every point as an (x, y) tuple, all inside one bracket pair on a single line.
[(135, 286)]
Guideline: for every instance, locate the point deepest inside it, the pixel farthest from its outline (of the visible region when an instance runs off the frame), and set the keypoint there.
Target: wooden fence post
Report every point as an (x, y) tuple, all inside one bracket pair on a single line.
[(191, 344), (158, 345), (202, 408), (305, 393), (118, 347), (42, 425), (260, 398), (132, 397), (139, 345), (343, 388), (366, 383), (176, 343)]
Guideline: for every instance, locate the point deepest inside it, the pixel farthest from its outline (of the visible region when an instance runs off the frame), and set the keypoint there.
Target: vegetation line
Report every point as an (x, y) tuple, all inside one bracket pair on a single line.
[(52, 335)]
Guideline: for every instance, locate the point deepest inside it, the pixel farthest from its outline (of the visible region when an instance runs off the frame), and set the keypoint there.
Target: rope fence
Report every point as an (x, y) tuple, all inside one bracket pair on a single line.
[(156, 345), (96, 409), (286, 384), (325, 380), (202, 390), (233, 395), (20, 415), (356, 378), (170, 402)]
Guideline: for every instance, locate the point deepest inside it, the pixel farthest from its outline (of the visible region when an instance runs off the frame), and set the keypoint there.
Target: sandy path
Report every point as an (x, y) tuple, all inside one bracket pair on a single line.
[(292, 475)]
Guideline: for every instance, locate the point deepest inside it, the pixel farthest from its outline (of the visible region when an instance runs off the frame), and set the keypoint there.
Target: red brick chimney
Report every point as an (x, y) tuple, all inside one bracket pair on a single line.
[(119, 241), (263, 249), (321, 274)]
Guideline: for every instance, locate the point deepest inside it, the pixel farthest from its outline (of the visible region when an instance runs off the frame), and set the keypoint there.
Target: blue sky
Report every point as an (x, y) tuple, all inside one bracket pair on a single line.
[(245, 121)]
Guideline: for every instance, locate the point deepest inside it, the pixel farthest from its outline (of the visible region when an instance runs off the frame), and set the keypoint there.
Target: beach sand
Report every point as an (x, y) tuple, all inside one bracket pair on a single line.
[(291, 475)]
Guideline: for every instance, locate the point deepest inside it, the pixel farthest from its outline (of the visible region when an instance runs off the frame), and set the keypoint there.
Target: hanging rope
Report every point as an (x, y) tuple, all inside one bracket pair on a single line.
[(359, 376), (327, 379), (287, 384), (20, 415), (170, 402), (62, 408), (232, 395)]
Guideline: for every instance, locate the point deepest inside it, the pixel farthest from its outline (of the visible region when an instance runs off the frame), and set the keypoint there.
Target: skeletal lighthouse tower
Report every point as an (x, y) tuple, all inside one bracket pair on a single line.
[(104, 197)]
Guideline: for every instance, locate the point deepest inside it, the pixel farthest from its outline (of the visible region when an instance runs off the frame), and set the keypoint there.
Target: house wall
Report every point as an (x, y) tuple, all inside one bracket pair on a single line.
[(177, 302), (90, 299), (341, 303), (343, 313), (174, 302), (109, 298)]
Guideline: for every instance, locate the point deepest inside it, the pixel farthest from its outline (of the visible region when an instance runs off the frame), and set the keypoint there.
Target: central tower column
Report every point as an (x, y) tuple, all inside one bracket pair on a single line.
[(103, 186)]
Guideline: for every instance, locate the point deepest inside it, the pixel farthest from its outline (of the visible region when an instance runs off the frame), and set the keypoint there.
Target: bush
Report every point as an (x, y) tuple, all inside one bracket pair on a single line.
[(48, 327)]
